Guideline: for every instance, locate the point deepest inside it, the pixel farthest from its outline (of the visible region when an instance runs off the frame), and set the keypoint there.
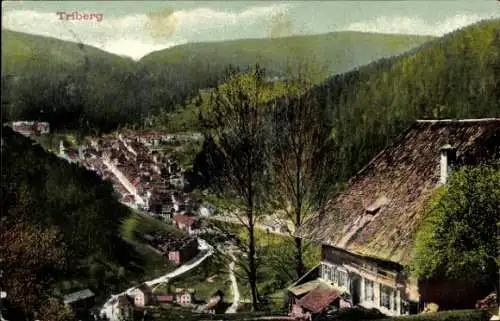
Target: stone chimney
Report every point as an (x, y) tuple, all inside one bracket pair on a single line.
[(447, 160)]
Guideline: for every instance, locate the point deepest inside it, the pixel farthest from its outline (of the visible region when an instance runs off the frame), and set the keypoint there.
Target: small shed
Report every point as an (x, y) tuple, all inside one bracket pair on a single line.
[(80, 301)]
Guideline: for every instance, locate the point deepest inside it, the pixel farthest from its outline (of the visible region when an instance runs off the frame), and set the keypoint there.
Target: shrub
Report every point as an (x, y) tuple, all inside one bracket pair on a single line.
[(457, 315), (356, 314)]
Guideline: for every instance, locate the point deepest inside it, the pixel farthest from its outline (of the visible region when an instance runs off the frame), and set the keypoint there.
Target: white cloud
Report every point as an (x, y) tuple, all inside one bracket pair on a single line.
[(129, 35), (415, 25)]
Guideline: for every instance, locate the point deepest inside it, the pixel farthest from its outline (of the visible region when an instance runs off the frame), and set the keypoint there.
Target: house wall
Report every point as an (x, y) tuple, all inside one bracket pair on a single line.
[(174, 256), (409, 296), (140, 299), (355, 274), (184, 298), (83, 305)]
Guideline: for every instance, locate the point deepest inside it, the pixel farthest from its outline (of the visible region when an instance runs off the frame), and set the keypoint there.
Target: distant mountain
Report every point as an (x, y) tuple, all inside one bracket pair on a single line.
[(25, 53), (75, 86), (337, 51)]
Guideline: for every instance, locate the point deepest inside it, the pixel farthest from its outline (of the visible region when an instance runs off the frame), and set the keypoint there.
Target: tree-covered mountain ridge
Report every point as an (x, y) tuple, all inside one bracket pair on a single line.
[(39, 71), (455, 76), (338, 51)]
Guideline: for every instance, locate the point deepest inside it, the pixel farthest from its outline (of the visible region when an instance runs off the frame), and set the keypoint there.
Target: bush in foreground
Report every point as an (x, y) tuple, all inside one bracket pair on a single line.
[(457, 315)]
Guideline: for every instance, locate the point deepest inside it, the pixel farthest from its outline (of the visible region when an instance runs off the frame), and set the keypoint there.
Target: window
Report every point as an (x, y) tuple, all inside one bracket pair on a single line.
[(326, 271), (331, 276), (369, 290), (394, 301), (342, 279), (385, 296)]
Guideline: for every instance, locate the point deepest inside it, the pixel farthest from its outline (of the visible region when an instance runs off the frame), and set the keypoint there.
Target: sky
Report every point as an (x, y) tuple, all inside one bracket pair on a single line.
[(136, 28)]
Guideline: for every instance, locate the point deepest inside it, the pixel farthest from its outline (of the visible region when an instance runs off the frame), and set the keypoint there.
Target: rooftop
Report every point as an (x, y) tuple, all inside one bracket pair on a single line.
[(304, 288), (184, 219), (319, 298), (77, 296), (380, 210)]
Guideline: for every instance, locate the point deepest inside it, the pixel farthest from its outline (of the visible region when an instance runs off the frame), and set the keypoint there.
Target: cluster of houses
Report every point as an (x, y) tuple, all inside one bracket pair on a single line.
[(144, 296), (178, 249), (367, 231), (144, 178)]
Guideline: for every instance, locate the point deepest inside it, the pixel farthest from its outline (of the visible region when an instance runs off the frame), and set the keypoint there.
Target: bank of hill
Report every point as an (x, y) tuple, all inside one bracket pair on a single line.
[(456, 76)]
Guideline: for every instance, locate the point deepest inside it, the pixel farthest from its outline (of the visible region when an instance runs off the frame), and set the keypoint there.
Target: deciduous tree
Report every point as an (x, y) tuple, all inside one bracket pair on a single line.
[(298, 158), (238, 121), (460, 234)]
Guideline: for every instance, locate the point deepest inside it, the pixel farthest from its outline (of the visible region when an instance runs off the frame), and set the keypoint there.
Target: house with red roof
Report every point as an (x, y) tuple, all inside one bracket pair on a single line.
[(163, 298), (178, 249), (185, 223)]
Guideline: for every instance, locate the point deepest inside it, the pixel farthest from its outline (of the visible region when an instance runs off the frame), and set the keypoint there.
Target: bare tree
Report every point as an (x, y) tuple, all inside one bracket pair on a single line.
[(299, 134), (238, 121)]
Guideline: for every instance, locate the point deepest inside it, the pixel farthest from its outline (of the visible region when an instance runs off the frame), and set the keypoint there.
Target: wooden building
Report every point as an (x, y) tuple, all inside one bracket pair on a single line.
[(80, 301)]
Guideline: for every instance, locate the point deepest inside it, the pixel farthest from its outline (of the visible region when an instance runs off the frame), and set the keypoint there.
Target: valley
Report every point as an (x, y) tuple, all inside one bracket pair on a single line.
[(341, 176)]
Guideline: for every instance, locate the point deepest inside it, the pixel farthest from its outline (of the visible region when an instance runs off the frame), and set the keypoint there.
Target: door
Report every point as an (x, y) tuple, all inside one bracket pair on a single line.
[(356, 290)]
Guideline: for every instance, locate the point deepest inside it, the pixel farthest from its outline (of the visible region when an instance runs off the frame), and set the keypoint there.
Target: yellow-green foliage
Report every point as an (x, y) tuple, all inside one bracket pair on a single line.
[(459, 235), (276, 255), (137, 225)]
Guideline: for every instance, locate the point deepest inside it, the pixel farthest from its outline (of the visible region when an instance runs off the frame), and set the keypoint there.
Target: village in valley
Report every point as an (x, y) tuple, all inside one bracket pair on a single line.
[(151, 183)]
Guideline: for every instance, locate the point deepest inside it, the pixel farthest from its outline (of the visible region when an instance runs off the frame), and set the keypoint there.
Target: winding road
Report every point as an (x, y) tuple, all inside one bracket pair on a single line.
[(206, 250), (234, 220), (234, 286)]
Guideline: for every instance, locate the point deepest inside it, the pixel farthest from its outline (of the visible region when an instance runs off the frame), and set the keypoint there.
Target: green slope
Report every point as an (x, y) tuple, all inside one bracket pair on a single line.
[(456, 76), (337, 51)]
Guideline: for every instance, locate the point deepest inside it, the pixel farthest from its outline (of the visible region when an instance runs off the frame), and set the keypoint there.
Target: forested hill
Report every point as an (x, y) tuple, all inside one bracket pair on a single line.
[(68, 84), (337, 52), (79, 87), (456, 76)]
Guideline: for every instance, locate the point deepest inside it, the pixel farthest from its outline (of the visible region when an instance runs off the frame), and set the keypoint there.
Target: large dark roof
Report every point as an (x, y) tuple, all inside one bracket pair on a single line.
[(396, 185)]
